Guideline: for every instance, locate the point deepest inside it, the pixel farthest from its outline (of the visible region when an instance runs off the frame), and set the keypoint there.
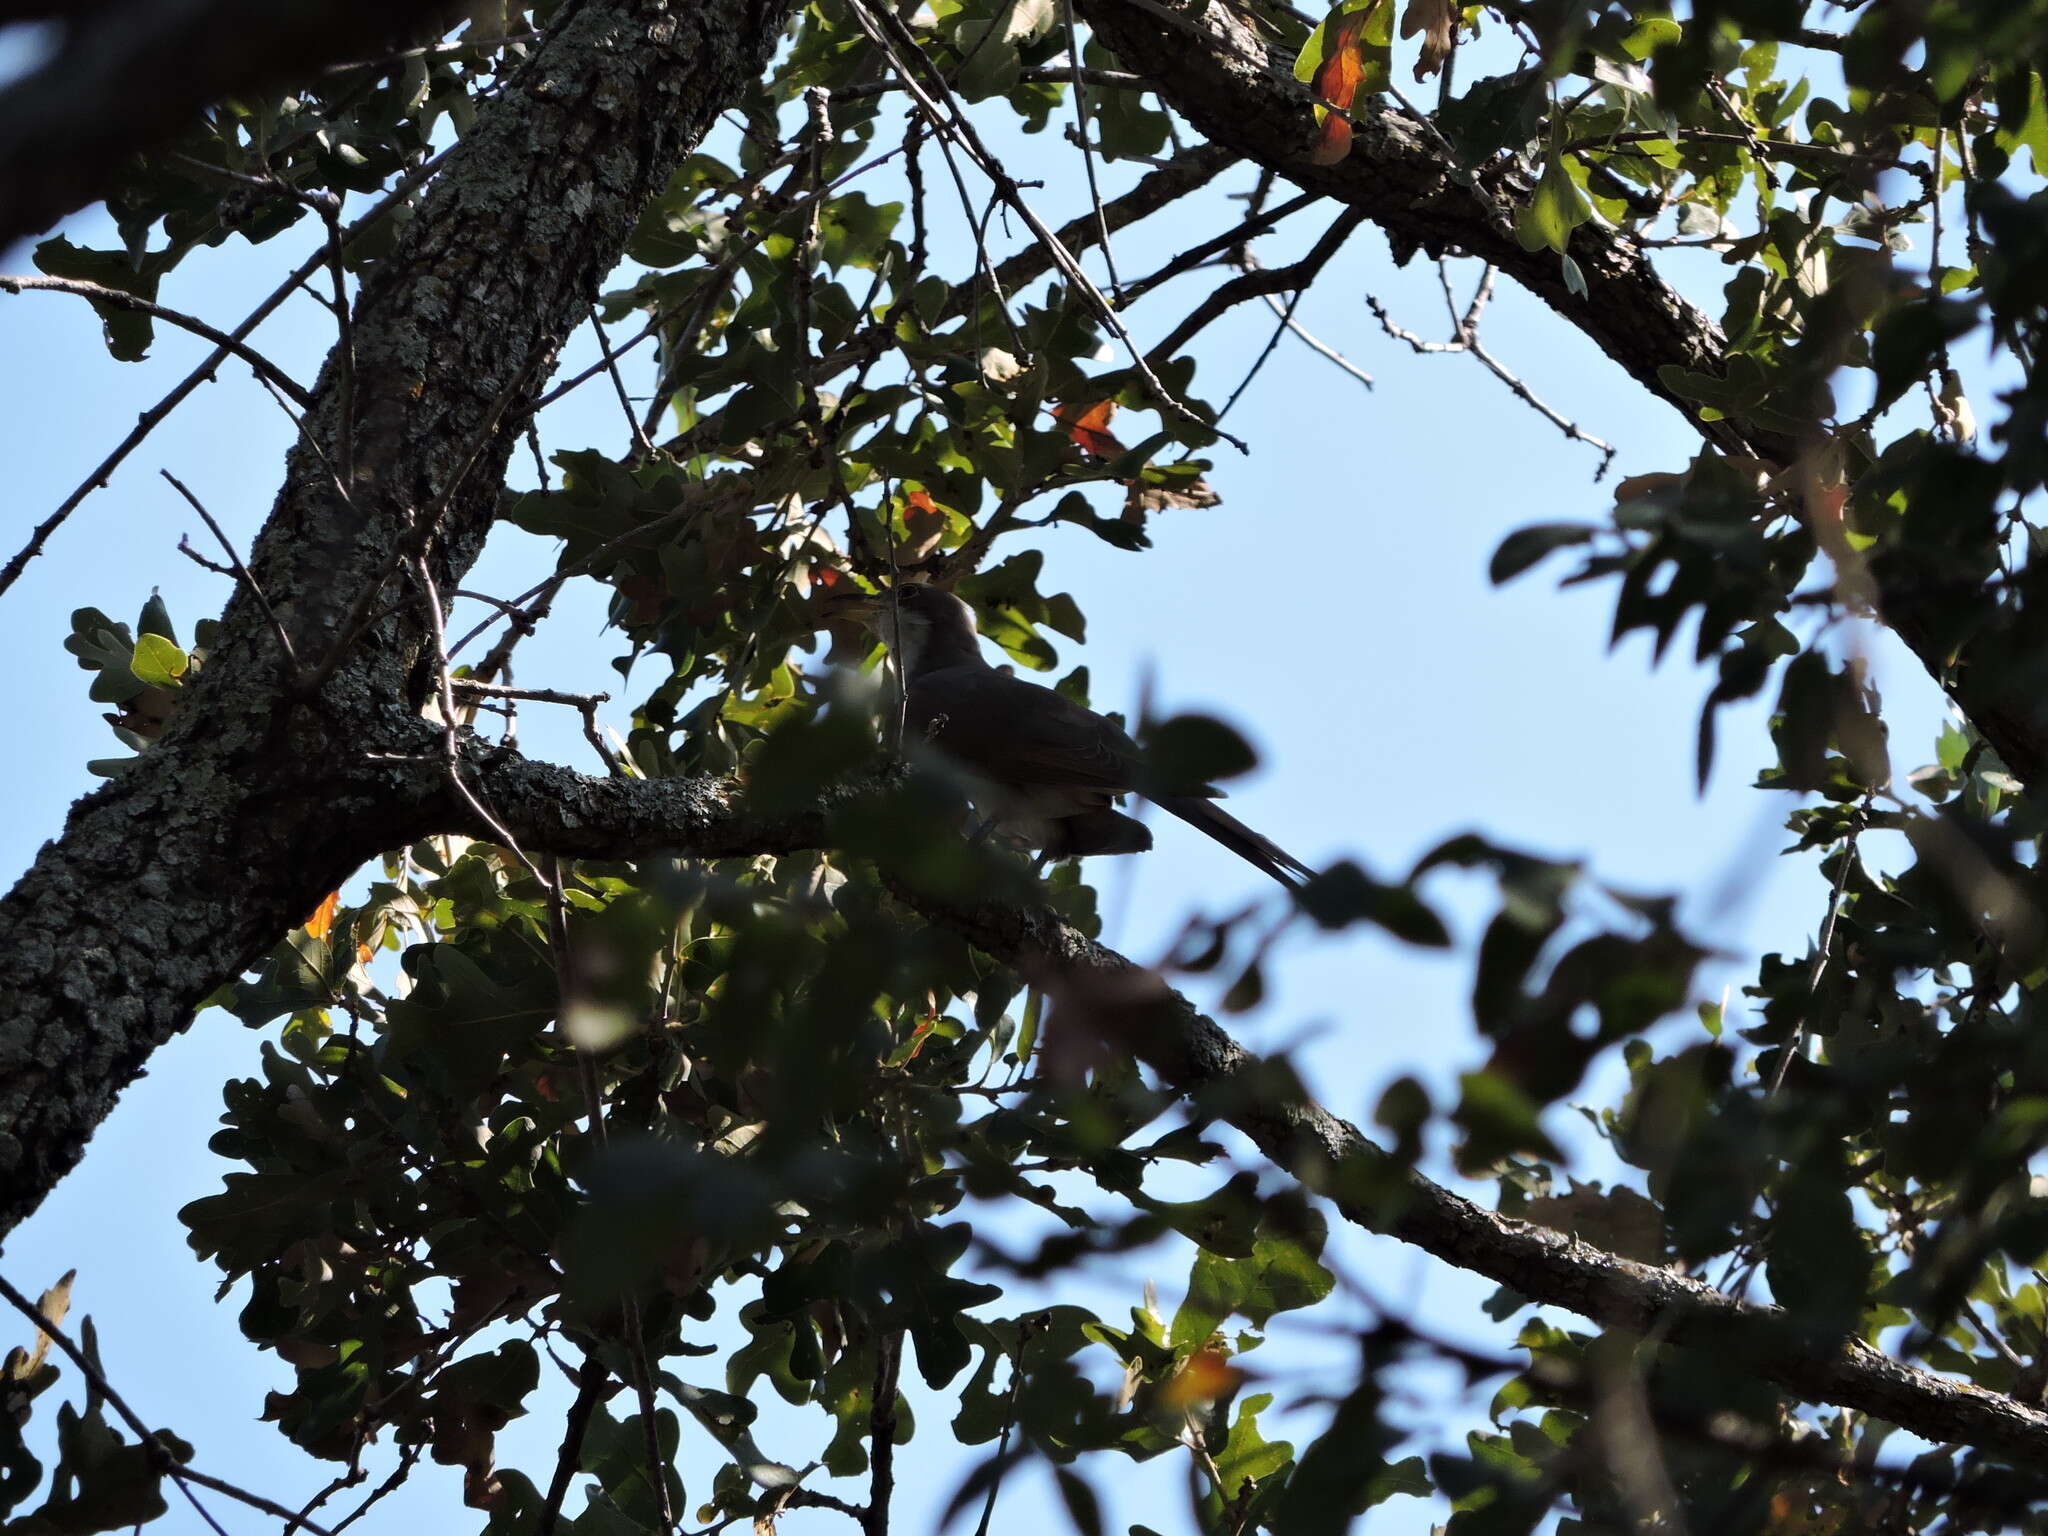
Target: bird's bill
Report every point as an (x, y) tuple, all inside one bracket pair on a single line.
[(853, 607)]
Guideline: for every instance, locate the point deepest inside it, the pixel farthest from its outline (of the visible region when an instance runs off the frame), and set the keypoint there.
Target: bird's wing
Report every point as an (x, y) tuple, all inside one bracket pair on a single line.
[(1016, 732)]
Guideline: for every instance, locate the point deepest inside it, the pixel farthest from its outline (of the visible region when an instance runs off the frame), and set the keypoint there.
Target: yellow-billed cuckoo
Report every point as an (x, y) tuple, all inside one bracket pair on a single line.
[(1042, 771)]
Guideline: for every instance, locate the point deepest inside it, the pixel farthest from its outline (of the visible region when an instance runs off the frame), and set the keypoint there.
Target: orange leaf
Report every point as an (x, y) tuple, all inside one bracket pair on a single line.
[(1353, 49), (1333, 140), (1206, 1377), (321, 923), (1337, 78), (1088, 426)]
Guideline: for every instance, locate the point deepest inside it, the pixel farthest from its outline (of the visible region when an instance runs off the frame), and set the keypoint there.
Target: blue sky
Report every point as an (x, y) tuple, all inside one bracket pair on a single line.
[(1335, 606)]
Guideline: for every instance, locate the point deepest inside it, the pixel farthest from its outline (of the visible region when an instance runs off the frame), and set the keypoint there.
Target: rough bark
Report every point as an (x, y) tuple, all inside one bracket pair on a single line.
[(1103, 992), (129, 74), (1212, 69), (172, 878)]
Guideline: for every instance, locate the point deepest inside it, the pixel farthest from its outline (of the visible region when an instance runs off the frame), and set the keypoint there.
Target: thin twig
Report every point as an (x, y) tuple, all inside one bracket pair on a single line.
[(1266, 352), (543, 591), (590, 1386), (437, 51), (643, 449), (1315, 343), (882, 1432), (407, 1459), (995, 1483), (953, 123), (1465, 338), (29, 282), (344, 348), (151, 418), (185, 548), (451, 742), (1797, 1045), (410, 546), (1079, 79), (1255, 224), (242, 571), (609, 360), (1056, 73), (160, 1454), (1256, 280), (584, 703)]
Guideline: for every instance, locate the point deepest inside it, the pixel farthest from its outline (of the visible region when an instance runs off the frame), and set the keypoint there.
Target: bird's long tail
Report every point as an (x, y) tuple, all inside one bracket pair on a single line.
[(1240, 839)]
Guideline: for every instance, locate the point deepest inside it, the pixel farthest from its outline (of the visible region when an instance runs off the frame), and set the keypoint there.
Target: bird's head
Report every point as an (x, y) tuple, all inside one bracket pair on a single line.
[(921, 624)]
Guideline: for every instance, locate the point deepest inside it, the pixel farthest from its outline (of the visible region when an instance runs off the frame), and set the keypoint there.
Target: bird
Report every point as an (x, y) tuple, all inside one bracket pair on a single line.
[(1042, 771)]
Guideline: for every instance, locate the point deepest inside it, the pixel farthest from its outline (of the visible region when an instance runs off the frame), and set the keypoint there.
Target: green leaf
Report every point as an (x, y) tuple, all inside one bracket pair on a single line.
[(1555, 209), (157, 662), (1343, 894), (128, 332), (1525, 546), (1188, 752), (1650, 34), (1498, 1119)]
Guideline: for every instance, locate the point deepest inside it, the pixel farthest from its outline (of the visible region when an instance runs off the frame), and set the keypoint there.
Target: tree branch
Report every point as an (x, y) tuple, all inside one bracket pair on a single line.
[(1102, 991), (24, 282), (1209, 66)]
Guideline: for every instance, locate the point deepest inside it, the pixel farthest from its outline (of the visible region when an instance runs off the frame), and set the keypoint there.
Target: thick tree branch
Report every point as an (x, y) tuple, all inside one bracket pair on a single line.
[(1102, 991), (130, 74), (1209, 66), (259, 800), (573, 815)]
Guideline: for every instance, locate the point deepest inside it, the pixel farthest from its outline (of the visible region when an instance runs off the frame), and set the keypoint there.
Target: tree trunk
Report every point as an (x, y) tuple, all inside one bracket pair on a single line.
[(260, 798)]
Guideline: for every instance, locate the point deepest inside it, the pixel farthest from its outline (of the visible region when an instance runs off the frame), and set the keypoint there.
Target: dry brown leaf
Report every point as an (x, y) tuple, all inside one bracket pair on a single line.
[(1143, 499), (1437, 21)]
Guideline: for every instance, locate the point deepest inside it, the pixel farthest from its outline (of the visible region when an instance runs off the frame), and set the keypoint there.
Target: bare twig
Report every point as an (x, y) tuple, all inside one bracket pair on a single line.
[(242, 571), (1079, 80), (590, 1386), (451, 743), (329, 208), (185, 548), (643, 449), (160, 1454), (437, 51), (1315, 343), (1255, 281), (1056, 73), (1002, 1456), (150, 418), (1796, 1046), (29, 282), (1465, 338), (882, 1432), (1254, 225), (609, 360), (407, 1458), (584, 703), (410, 546), (542, 592)]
